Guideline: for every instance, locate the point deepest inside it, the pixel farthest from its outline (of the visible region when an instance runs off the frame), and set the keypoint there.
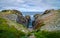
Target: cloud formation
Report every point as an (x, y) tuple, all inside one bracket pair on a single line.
[(30, 5)]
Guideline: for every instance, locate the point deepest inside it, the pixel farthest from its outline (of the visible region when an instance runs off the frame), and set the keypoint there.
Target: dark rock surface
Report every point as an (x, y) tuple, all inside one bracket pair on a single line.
[(28, 19)]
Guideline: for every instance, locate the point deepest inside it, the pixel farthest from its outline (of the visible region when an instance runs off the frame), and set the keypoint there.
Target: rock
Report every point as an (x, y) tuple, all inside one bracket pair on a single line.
[(37, 21), (14, 15), (22, 20), (28, 20), (7, 25), (28, 17), (48, 11), (10, 14), (52, 21), (36, 16), (49, 21)]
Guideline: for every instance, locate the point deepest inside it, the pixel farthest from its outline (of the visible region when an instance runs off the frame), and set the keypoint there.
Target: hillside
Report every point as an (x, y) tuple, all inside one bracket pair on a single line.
[(51, 20), (10, 28), (14, 25)]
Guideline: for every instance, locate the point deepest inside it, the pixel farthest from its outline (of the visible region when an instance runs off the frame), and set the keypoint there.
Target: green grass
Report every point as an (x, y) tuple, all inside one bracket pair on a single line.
[(45, 34), (7, 31)]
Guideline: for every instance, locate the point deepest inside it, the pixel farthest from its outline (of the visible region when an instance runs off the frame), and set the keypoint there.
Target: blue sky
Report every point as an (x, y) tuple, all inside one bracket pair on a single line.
[(30, 5)]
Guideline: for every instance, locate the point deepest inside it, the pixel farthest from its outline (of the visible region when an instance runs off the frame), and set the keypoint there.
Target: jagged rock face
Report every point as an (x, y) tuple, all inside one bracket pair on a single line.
[(38, 24), (48, 11), (50, 21), (11, 17), (28, 19), (37, 21), (36, 16), (10, 14), (7, 25), (22, 20), (14, 15)]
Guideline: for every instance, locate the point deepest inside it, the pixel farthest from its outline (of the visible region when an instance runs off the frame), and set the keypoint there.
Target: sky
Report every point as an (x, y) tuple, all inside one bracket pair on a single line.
[(30, 5)]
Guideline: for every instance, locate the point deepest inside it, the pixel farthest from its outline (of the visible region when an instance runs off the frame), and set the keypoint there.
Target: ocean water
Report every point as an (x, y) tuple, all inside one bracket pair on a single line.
[(31, 13)]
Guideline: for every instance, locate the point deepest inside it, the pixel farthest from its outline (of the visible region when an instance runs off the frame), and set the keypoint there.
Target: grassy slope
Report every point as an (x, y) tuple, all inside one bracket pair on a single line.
[(12, 23), (10, 29), (46, 34)]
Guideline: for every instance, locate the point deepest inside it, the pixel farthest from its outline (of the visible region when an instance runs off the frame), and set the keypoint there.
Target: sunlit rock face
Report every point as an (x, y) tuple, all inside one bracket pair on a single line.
[(51, 21), (10, 14), (14, 15), (37, 21)]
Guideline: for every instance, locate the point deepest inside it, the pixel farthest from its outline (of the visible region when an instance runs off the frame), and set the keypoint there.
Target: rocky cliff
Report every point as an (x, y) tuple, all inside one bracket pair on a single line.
[(14, 15), (50, 20)]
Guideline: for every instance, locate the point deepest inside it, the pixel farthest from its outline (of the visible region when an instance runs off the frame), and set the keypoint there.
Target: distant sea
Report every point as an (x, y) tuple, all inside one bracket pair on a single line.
[(31, 13)]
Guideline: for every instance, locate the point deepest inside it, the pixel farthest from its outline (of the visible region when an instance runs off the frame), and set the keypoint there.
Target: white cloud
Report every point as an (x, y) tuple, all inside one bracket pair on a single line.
[(30, 5)]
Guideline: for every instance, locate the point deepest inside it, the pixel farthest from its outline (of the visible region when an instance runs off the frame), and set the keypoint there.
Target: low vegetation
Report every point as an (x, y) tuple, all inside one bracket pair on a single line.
[(7, 31), (46, 34)]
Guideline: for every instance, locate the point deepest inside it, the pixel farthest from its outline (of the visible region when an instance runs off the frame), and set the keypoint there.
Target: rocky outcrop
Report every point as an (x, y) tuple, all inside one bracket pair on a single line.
[(28, 19), (10, 14), (14, 15), (12, 29), (50, 21), (6, 24), (36, 16), (22, 20), (37, 21), (48, 11)]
